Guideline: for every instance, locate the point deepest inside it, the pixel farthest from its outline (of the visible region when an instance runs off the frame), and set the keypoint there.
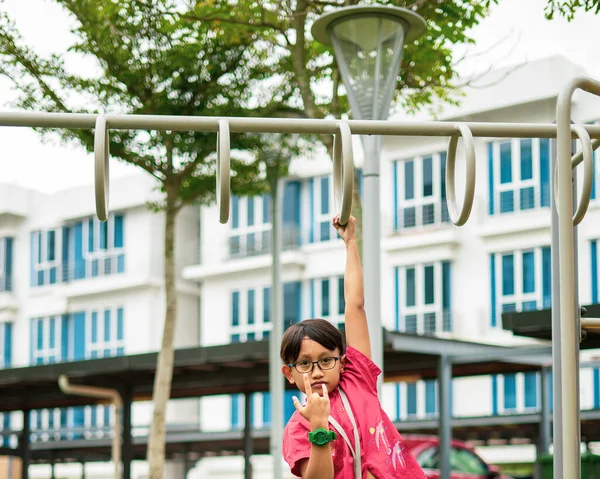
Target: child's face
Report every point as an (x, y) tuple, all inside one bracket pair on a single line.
[(313, 351)]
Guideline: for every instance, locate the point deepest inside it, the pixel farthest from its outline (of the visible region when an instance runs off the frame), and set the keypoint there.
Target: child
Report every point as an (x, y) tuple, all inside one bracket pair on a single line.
[(341, 432)]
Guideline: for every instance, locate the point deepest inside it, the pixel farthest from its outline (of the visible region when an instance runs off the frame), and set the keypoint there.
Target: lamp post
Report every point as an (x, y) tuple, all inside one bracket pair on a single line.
[(368, 43)]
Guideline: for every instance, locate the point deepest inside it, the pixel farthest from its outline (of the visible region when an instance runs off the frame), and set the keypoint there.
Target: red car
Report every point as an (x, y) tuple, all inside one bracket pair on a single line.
[(465, 463)]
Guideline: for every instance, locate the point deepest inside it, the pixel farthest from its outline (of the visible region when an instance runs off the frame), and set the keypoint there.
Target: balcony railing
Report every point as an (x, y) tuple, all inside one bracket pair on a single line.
[(428, 323), (5, 283), (259, 242), (423, 214)]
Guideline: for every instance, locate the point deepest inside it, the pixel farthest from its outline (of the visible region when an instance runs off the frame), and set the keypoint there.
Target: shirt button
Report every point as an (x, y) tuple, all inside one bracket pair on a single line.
[(342, 409)]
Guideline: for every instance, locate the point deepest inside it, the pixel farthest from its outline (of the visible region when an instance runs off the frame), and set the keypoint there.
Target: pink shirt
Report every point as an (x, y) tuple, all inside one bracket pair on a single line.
[(382, 450)]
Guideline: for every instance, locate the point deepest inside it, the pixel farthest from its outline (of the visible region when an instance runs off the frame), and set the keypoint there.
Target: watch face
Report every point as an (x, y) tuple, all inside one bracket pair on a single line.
[(321, 437)]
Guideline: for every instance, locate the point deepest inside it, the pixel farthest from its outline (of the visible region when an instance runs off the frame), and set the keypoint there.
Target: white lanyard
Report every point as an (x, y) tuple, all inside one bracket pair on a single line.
[(340, 429)]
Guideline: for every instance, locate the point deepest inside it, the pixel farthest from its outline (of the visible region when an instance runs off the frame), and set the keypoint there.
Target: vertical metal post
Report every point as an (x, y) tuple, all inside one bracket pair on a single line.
[(25, 445), (276, 379), (127, 445), (556, 324), (569, 317), (445, 415), (83, 470), (371, 220), (52, 472), (544, 430), (248, 444)]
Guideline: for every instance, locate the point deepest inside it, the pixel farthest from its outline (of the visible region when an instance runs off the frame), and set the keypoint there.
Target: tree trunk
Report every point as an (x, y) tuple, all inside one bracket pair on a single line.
[(164, 366)]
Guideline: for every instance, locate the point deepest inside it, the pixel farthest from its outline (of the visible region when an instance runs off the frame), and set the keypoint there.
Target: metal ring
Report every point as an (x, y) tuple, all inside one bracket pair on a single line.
[(101, 155), (223, 170), (587, 157), (461, 218), (343, 171)]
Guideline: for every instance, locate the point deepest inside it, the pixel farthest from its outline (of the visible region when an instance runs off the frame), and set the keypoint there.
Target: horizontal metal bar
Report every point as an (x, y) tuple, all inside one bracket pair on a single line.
[(592, 324), (284, 125)]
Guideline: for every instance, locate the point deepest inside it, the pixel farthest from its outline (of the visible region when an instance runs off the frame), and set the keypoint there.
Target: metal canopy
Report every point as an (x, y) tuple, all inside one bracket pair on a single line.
[(238, 368)]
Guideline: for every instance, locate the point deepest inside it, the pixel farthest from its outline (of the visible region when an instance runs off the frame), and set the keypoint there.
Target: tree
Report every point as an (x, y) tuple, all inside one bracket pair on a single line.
[(214, 57), (308, 80), (568, 8), (149, 63)]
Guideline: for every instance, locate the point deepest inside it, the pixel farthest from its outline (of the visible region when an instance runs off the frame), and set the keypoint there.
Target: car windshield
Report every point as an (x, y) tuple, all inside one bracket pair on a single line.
[(461, 460)]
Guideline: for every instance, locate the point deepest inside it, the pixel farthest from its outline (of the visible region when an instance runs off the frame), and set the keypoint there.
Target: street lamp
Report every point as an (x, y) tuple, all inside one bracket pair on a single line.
[(368, 43)]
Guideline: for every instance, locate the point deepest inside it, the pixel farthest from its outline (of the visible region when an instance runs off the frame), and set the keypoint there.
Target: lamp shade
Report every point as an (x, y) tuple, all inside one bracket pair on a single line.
[(368, 43)]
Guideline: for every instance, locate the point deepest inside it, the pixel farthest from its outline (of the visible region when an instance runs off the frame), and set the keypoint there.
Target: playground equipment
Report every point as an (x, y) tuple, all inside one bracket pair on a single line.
[(566, 319)]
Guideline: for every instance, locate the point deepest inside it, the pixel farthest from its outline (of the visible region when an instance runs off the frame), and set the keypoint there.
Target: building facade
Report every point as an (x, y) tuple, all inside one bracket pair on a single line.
[(72, 288)]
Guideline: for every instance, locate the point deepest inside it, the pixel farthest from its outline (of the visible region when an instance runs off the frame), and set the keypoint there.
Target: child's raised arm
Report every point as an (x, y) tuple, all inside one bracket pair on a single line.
[(357, 329)]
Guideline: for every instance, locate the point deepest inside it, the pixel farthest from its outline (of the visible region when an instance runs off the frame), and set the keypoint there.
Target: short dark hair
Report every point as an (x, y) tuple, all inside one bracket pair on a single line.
[(319, 330)]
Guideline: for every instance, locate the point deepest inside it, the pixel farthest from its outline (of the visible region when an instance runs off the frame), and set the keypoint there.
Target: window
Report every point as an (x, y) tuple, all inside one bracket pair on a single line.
[(420, 191), (327, 299), (422, 298), (520, 281), (6, 266), (5, 345), (594, 270), (251, 311), (103, 242), (515, 393), (322, 209), (45, 263), (105, 333), (519, 175), (411, 399), (251, 222), (46, 334)]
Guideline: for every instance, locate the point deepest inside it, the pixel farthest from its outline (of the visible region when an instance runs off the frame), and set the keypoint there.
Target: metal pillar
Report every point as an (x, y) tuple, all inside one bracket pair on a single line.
[(83, 470), (445, 414), (127, 445), (248, 443), (276, 379), (371, 221), (52, 472), (24, 444)]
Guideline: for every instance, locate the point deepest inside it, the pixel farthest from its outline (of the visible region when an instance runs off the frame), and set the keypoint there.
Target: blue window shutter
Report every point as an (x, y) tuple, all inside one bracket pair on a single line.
[(94, 327), (531, 390), (32, 259), (324, 195), (508, 274), (494, 394), (359, 181), (78, 261), (491, 178), (411, 399), (594, 266), (596, 388), (510, 391), (119, 239), (593, 194), (52, 333), (8, 254), (545, 171), (235, 411), (446, 297), (325, 297), (526, 149), (251, 308), (341, 298), (528, 272), (103, 235), (546, 277), (250, 211), (312, 298), (79, 336), (288, 405), (266, 409), (291, 303), (235, 308), (411, 287), (7, 346), (430, 397), (107, 325), (397, 297), (32, 323), (398, 402), (120, 324), (409, 180), (311, 207), (64, 337), (427, 174), (66, 241), (429, 285), (291, 204), (90, 225), (551, 389), (493, 318), (395, 189), (266, 305), (266, 208), (506, 162)]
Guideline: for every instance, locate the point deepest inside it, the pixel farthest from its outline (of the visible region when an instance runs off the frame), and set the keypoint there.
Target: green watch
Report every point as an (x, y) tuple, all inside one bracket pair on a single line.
[(321, 436)]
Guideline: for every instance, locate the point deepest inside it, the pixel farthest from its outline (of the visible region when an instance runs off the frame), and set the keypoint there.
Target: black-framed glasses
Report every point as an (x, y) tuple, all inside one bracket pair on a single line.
[(305, 366)]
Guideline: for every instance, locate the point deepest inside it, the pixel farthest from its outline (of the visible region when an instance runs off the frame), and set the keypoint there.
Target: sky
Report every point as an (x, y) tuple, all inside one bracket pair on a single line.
[(514, 32)]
